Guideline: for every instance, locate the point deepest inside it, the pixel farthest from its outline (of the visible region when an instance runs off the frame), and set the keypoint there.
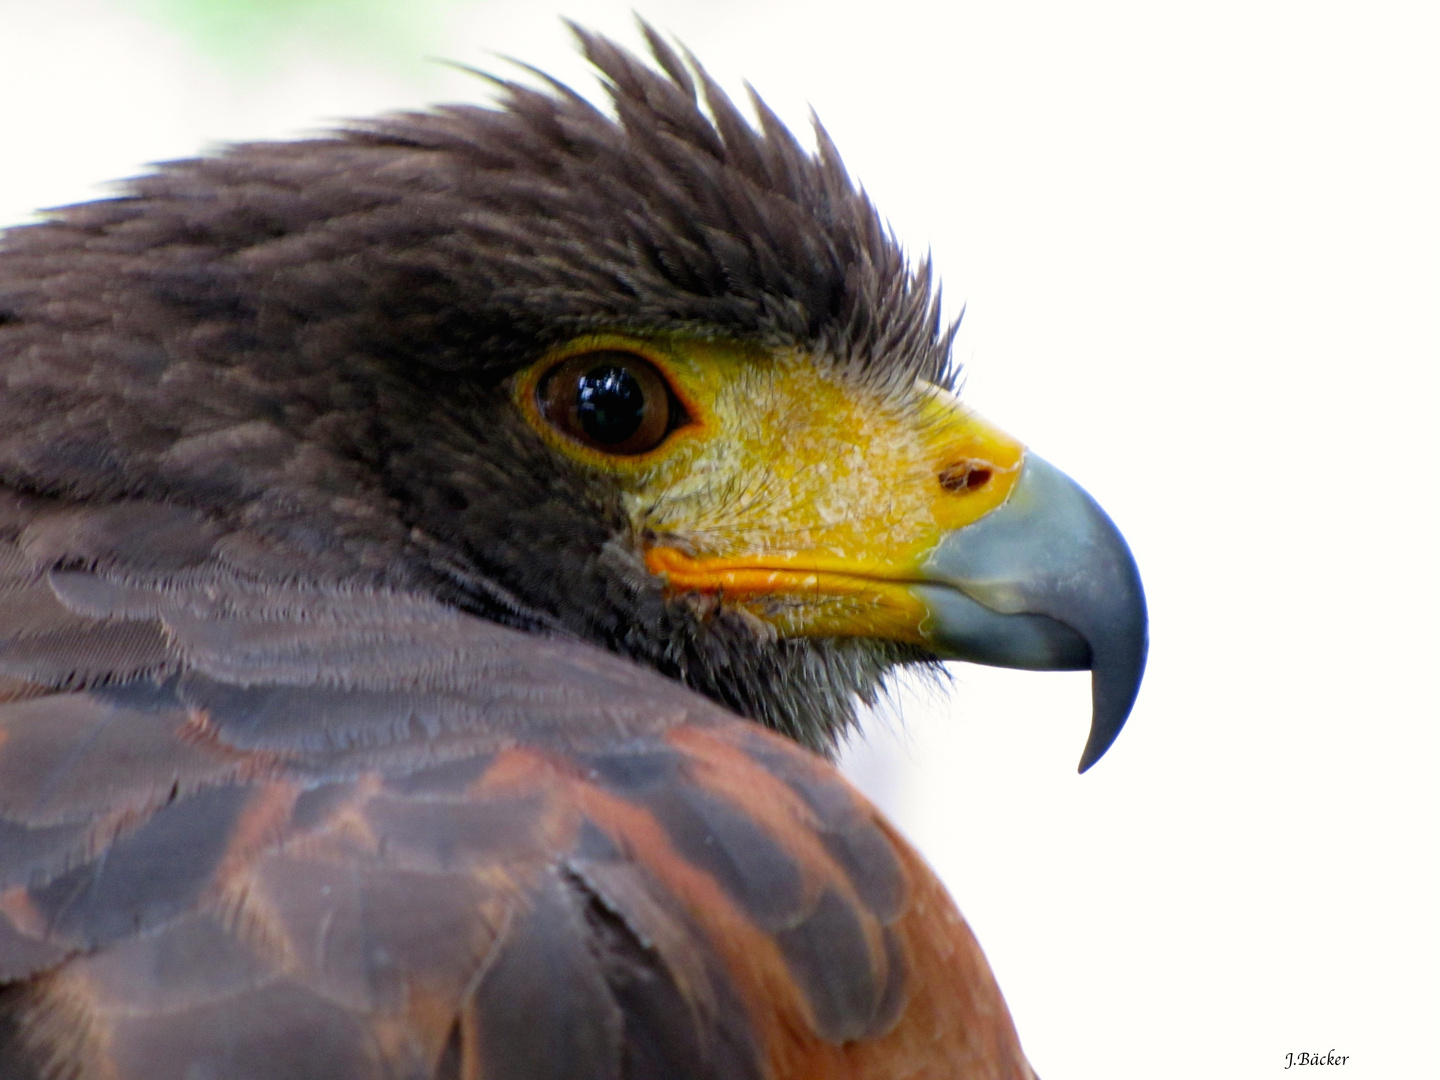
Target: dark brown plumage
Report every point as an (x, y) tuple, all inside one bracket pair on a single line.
[(344, 731), (430, 852), (342, 313)]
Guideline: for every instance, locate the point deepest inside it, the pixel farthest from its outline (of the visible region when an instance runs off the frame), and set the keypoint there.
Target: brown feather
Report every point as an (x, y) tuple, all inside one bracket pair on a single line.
[(299, 776), (643, 883)]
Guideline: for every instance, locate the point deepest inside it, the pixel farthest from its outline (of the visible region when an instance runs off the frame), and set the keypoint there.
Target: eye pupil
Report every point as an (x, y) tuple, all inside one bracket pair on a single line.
[(609, 400), (610, 404)]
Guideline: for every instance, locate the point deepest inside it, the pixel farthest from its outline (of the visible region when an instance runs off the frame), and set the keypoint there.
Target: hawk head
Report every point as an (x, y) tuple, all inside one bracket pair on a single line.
[(662, 380)]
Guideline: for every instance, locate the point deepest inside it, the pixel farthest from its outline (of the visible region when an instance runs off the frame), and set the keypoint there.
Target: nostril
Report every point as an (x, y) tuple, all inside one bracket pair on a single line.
[(964, 476)]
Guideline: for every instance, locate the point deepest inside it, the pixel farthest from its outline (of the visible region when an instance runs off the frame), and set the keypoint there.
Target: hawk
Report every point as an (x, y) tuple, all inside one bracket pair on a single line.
[(436, 562)]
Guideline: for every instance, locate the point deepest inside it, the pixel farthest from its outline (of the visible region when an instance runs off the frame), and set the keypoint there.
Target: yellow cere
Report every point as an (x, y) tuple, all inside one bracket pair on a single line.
[(799, 492)]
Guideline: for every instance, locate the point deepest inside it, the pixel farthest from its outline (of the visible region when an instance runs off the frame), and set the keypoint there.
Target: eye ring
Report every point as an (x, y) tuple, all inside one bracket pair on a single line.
[(610, 400)]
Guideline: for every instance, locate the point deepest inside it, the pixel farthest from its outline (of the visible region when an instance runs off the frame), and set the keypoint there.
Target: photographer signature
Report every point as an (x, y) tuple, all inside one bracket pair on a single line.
[(1307, 1058)]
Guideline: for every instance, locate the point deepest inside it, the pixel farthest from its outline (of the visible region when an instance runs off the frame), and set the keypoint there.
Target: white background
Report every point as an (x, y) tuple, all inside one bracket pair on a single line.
[(1200, 252)]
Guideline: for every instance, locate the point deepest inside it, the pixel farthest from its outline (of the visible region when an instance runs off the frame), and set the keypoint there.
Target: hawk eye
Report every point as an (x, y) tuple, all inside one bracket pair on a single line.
[(611, 400)]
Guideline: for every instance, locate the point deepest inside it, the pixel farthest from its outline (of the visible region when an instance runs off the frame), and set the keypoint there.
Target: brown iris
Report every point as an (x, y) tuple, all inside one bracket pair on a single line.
[(611, 400)]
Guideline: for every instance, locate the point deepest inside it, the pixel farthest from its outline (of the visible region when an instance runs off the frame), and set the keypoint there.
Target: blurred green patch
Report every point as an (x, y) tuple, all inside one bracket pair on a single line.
[(253, 34)]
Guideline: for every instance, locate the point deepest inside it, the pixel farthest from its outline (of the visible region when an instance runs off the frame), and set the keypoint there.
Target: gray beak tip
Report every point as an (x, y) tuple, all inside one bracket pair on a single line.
[(1104, 730), (1116, 671)]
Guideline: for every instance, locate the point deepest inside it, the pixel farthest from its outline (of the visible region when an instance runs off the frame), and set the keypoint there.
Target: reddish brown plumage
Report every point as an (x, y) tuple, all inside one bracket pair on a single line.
[(341, 734), (373, 897)]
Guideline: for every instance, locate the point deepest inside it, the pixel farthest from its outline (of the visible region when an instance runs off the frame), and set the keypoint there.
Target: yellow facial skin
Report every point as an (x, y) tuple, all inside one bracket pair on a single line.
[(797, 492)]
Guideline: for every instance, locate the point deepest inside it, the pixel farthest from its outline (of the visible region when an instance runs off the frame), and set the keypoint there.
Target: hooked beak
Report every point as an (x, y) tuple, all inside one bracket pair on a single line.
[(927, 526), (1044, 582)]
